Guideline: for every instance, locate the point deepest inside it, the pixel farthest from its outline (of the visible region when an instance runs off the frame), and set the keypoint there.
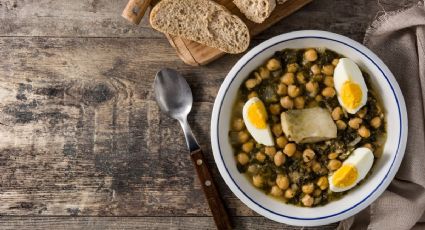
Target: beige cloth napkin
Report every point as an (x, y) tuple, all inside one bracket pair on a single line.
[(398, 38)]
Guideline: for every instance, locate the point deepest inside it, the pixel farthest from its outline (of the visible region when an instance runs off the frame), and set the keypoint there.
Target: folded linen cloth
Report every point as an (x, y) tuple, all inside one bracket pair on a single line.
[(398, 38)]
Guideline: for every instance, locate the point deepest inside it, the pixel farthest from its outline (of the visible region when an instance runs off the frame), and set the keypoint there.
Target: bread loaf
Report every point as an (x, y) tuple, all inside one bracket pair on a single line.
[(256, 10), (203, 21)]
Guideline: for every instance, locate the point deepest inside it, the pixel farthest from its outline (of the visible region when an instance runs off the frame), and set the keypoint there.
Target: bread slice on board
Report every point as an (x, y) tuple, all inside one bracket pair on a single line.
[(203, 21), (256, 10)]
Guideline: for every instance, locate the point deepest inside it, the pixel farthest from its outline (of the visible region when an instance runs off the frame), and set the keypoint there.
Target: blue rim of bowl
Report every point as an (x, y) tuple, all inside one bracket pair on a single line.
[(392, 163)]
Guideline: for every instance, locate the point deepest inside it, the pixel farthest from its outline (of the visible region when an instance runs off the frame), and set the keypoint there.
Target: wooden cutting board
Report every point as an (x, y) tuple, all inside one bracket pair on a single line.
[(196, 54)]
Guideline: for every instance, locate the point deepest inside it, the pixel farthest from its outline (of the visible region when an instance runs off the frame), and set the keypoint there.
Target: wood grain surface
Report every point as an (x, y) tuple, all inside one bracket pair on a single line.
[(82, 142)]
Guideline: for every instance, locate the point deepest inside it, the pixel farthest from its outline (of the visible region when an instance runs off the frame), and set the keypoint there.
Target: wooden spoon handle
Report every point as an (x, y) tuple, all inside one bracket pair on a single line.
[(135, 10), (218, 210)]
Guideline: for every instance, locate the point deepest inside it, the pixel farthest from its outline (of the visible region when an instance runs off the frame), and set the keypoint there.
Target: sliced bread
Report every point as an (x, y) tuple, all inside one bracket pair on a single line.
[(203, 21), (256, 10)]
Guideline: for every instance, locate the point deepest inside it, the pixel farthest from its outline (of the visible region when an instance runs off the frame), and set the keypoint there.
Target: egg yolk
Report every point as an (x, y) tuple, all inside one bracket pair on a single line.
[(351, 94), (345, 176), (257, 114)]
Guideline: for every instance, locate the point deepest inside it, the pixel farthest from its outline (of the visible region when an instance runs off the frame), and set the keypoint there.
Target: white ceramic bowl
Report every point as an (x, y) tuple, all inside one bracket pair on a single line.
[(395, 110)]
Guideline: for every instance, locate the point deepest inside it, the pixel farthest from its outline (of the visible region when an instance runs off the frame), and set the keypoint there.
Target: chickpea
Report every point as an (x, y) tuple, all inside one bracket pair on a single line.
[(362, 113), (308, 188), (307, 200), (287, 102), (333, 155), (248, 146), (282, 181), (243, 136), (334, 165), (323, 183), (243, 158), (288, 79), (377, 153), (317, 192), (379, 109), (250, 83), (279, 159), (310, 55), (258, 78), (273, 64), (293, 91), (274, 109), (282, 89), (292, 68), (290, 149), (335, 61), (264, 73), (277, 129), (337, 113), (312, 87), (238, 124), (341, 125), (253, 168), (252, 94), (301, 78), (270, 151), (329, 81), (299, 102), (316, 167), (318, 98), (369, 146), (317, 77), (328, 92), (364, 132), (354, 123), (289, 193), (260, 156), (328, 69), (281, 142), (276, 191), (315, 69), (294, 187), (258, 181), (308, 155), (376, 122)]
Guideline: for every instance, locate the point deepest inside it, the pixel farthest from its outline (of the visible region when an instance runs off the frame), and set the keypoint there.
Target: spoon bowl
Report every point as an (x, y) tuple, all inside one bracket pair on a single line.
[(172, 93)]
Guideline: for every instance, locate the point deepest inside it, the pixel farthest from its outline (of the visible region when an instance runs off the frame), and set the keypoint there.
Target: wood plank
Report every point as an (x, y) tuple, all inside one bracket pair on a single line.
[(151, 223), (80, 130), (101, 18), (63, 18)]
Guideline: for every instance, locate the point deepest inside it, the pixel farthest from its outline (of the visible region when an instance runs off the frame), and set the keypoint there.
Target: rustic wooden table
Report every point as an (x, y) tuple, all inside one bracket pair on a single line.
[(82, 143)]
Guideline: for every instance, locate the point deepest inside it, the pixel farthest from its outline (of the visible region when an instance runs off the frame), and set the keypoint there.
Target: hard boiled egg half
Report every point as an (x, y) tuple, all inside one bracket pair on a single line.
[(255, 117), (353, 170), (350, 85)]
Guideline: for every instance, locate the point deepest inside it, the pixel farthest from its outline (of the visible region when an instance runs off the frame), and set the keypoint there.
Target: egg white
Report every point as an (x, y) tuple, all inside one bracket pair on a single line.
[(347, 70), (262, 136), (362, 160)]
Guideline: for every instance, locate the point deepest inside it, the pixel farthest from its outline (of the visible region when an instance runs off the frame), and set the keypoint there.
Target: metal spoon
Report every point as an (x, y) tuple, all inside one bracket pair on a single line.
[(174, 97)]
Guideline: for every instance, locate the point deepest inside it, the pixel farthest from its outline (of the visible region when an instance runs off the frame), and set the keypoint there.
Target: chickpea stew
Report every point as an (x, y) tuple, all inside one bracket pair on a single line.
[(298, 172)]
